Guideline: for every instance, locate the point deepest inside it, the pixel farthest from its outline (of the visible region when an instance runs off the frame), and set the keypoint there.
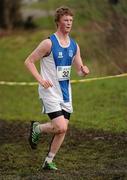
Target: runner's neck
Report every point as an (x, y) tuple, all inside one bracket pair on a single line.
[(63, 38)]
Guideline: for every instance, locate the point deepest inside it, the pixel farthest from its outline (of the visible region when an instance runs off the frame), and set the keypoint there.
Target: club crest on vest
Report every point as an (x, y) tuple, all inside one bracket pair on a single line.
[(70, 53), (60, 55)]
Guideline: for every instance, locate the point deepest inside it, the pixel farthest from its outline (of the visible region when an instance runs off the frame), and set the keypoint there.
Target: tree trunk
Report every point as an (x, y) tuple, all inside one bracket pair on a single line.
[(10, 15)]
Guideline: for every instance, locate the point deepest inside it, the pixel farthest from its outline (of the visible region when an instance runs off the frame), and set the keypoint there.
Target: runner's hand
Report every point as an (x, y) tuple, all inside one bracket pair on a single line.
[(46, 84), (85, 70)]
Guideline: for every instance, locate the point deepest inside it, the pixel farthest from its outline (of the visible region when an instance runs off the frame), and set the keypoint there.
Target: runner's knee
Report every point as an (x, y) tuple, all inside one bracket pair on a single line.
[(61, 129), (60, 125)]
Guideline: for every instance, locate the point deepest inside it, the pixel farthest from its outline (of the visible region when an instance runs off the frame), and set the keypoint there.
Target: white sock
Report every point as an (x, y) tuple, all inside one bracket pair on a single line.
[(50, 157)]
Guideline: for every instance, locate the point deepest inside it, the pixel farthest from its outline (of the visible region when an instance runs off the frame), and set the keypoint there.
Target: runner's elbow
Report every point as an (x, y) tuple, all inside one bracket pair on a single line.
[(27, 62)]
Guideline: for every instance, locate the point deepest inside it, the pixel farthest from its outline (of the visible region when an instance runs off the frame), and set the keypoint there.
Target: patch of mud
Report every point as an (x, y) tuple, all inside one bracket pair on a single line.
[(12, 132), (85, 154)]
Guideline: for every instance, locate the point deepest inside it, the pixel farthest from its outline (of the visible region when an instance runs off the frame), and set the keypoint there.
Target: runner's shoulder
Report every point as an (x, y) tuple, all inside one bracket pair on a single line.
[(47, 43)]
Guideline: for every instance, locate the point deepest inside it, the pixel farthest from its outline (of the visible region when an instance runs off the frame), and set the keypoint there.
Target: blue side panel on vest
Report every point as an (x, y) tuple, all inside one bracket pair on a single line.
[(63, 57), (65, 90)]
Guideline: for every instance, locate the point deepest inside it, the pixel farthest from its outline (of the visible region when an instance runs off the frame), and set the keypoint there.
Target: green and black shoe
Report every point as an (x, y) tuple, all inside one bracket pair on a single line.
[(49, 166), (34, 136)]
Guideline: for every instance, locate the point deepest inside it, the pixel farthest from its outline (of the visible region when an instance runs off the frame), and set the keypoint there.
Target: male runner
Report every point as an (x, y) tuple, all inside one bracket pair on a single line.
[(56, 55)]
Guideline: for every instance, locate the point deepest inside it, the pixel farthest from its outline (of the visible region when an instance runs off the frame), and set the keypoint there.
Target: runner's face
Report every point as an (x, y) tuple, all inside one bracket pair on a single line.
[(65, 23)]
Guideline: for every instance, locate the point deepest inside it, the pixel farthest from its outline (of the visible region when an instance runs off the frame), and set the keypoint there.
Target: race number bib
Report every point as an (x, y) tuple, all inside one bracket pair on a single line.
[(63, 72)]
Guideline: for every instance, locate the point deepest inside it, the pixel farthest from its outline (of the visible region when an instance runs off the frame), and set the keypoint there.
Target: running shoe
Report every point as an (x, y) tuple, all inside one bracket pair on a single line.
[(49, 166), (34, 136)]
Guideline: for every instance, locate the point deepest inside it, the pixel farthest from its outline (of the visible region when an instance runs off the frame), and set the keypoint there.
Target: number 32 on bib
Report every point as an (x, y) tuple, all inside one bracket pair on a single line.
[(63, 72)]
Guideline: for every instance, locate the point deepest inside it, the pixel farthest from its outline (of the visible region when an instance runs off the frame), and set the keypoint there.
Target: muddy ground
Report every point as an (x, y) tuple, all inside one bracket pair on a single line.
[(85, 154)]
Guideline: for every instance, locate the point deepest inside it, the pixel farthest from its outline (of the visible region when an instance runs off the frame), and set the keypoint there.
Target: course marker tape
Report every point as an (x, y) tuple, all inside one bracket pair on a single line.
[(72, 81), (98, 78)]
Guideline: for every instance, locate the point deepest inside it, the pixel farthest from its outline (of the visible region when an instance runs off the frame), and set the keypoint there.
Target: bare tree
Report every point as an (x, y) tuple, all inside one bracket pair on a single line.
[(10, 15)]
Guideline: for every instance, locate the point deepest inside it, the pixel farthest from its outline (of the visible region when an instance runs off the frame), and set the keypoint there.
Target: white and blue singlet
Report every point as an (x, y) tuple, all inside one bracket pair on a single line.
[(56, 67)]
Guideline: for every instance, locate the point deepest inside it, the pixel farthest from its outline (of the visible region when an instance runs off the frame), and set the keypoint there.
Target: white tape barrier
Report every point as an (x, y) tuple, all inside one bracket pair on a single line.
[(72, 81), (98, 78)]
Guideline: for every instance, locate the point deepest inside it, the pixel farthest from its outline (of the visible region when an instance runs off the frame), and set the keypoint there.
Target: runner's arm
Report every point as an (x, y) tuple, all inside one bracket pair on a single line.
[(81, 69), (42, 49)]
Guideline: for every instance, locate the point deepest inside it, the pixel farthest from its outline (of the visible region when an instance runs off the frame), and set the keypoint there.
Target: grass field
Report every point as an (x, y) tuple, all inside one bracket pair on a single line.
[(99, 104), (95, 147)]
